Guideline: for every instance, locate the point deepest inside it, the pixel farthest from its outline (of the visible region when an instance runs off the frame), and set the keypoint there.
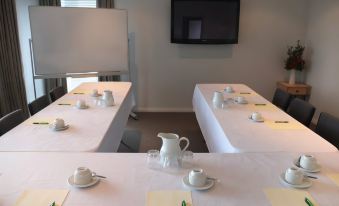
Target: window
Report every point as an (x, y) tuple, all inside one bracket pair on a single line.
[(79, 3)]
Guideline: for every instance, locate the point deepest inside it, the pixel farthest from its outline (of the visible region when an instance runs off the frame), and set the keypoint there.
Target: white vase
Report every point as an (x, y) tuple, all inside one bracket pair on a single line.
[(292, 77)]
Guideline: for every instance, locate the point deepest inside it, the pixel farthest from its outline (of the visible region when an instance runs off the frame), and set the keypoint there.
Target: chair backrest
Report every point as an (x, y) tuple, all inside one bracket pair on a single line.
[(56, 93), (301, 111), (328, 128), (281, 99), (38, 104), (11, 120)]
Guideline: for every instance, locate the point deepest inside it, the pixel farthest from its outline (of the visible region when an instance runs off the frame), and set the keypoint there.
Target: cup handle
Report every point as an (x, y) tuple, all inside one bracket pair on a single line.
[(184, 139)]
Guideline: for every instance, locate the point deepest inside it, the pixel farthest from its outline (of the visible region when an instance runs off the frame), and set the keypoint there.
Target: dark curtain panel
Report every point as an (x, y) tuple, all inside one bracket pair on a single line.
[(53, 83), (12, 87), (107, 4), (49, 2)]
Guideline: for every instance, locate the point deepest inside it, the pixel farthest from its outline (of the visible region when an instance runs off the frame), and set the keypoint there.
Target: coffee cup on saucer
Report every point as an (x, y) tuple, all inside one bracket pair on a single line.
[(58, 123), (229, 89), (218, 99), (240, 99), (95, 93), (82, 176), (256, 116), (81, 104), (294, 176), (197, 177), (308, 162)]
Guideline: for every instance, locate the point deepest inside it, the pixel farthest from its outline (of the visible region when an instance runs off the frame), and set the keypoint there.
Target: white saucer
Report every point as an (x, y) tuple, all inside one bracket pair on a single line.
[(208, 185), (71, 182), (59, 129), (305, 184), (306, 170), (243, 102), (97, 95), (229, 91), (85, 107), (258, 120)]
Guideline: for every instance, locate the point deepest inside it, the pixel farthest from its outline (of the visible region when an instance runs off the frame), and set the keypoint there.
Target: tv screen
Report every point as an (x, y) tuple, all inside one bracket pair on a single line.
[(205, 21)]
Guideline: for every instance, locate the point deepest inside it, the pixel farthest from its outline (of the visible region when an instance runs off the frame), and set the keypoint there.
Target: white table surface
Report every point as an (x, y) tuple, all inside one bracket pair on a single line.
[(94, 129), (229, 130), (242, 177)]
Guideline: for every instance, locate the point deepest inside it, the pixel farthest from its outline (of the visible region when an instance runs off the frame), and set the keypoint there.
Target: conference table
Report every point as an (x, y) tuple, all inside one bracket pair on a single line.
[(243, 178), (229, 129), (96, 129)]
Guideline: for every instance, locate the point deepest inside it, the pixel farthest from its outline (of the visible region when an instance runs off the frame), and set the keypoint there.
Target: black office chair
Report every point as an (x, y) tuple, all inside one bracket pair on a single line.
[(328, 128), (301, 111), (56, 93), (281, 99), (38, 104), (11, 120)]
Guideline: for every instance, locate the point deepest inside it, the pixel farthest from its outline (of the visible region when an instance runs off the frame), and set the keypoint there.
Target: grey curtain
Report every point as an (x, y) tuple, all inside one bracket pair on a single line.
[(54, 82), (12, 87), (49, 2), (107, 4)]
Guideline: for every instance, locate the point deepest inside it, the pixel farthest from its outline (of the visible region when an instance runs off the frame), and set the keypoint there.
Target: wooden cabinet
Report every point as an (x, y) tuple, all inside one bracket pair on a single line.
[(301, 90)]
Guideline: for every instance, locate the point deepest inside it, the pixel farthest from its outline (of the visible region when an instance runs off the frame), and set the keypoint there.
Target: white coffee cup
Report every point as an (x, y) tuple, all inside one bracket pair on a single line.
[(58, 123), (240, 99), (197, 177), (294, 176), (95, 92), (218, 99), (229, 89), (82, 176), (308, 162), (256, 116), (81, 104)]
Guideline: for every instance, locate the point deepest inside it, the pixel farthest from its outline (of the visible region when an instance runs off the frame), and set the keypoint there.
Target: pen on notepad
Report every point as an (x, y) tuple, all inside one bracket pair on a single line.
[(260, 104), (63, 104), (281, 122), (78, 93), (308, 202), (40, 123), (245, 92)]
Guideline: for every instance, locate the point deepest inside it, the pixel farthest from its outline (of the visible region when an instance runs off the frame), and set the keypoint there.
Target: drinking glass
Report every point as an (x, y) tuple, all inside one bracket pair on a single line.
[(153, 159), (187, 159)]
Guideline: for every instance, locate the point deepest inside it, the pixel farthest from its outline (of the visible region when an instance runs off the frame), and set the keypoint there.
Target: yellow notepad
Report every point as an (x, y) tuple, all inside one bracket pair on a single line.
[(71, 102), (168, 198), (32, 120), (334, 177), (282, 126), (245, 93), (41, 197), (284, 197), (81, 91), (259, 107)]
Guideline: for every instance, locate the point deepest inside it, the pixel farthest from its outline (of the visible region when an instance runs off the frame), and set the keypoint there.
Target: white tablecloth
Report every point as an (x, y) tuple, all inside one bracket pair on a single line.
[(94, 129), (229, 130), (242, 177)]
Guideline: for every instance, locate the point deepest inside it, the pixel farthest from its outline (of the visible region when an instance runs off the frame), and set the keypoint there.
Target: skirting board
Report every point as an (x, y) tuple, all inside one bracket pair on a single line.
[(150, 109)]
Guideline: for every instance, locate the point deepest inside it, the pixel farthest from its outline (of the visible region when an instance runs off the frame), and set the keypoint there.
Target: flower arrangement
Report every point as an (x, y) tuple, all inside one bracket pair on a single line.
[(295, 57)]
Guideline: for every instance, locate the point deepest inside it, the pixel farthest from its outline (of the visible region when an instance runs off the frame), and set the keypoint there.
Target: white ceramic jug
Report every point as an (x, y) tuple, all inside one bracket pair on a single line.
[(171, 146), (108, 98)]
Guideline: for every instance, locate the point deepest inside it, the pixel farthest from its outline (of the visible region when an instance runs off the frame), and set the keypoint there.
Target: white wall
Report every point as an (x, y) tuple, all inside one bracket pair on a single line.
[(322, 55), (165, 74), (24, 36)]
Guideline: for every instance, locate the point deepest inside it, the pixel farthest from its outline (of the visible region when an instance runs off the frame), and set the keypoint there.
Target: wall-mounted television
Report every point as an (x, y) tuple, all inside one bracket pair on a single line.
[(205, 21)]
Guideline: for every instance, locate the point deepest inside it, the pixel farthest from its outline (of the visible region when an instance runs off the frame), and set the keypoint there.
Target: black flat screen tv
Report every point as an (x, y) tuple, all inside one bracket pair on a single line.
[(205, 21)]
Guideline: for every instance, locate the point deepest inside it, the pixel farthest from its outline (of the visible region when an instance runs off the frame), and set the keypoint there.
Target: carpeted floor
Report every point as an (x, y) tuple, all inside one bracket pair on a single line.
[(142, 133)]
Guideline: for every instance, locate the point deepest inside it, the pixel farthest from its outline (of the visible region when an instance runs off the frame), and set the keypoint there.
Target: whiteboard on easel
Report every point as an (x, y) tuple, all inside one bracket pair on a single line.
[(78, 40)]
